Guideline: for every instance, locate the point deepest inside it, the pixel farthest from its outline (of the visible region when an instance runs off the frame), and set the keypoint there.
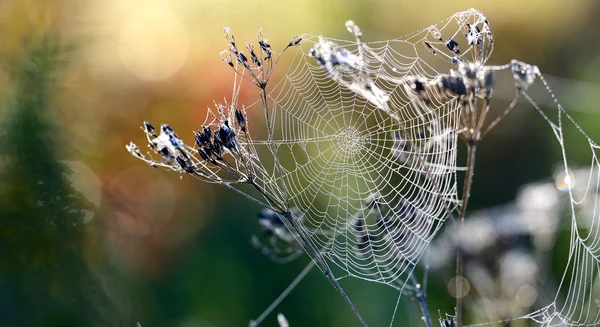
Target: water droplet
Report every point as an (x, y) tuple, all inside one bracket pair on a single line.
[(565, 181)]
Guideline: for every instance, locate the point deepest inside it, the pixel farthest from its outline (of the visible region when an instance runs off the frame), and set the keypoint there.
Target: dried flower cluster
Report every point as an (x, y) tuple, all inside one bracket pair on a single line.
[(208, 159), (261, 63), (223, 151)]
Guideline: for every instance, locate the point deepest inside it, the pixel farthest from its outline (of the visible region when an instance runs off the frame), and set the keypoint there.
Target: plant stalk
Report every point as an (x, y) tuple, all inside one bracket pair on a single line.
[(471, 151), (420, 296)]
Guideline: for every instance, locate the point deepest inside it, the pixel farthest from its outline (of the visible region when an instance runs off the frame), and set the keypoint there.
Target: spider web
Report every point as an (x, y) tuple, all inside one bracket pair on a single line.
[(577, 300), (374, 181), (335, 131), (371, 166)]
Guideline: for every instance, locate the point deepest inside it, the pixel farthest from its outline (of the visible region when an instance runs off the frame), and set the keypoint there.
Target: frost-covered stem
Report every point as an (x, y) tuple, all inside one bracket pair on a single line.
[(420, 296), (471, 150), (506, 111), (316, 256), (263, 97), (247, 196), (273, 204)]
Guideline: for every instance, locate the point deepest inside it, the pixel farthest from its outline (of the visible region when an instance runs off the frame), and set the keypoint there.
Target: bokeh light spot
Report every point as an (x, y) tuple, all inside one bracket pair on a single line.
[(526, 295), (144, 200), (458, 287), (153, 45), (565, 181)]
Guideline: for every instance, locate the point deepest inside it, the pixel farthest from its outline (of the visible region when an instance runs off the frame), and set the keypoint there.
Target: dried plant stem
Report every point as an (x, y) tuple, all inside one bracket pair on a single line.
[(506, 111), (263, 97), (468, 181), (251, 198), (420, 296)]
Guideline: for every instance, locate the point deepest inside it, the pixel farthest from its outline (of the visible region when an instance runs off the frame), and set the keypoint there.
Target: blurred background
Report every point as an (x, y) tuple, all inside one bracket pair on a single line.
[(77, 79)]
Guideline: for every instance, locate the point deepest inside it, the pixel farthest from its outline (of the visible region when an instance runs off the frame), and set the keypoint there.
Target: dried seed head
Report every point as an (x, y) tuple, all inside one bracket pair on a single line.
[(186, 165), (295, 41), (202, 137), (523, 74), (171, 135), (453, 46), (255, 60), (240, 119), (354, 29), (149, 129), (452, 85), (329, 55), (430, 47), (227, 136), (134, 150), (168, 145), (203, 154), (416, 86), (486, 82), (229, 37), (264, 45), (448, 322), (226, 57), (217, 146), (241, 58)]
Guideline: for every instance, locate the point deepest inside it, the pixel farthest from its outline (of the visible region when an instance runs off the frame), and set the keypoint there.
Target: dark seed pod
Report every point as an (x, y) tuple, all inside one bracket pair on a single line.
[(227, 136), (430, 47), (295, 41), (217, 145), (149, 129), (453, 46), (240, 119), (202, 154), (185, 165), (242, 58), (453, 85)]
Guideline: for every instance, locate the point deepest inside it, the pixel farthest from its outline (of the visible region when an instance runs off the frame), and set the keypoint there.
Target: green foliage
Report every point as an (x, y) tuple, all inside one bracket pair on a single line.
[(45, 278)]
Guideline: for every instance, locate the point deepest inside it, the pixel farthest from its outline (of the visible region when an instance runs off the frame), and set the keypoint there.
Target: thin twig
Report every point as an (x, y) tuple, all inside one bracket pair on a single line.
[(420, 296), (471, 150), (263, 97), (499, 118), (247, 196), (283, 294)]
